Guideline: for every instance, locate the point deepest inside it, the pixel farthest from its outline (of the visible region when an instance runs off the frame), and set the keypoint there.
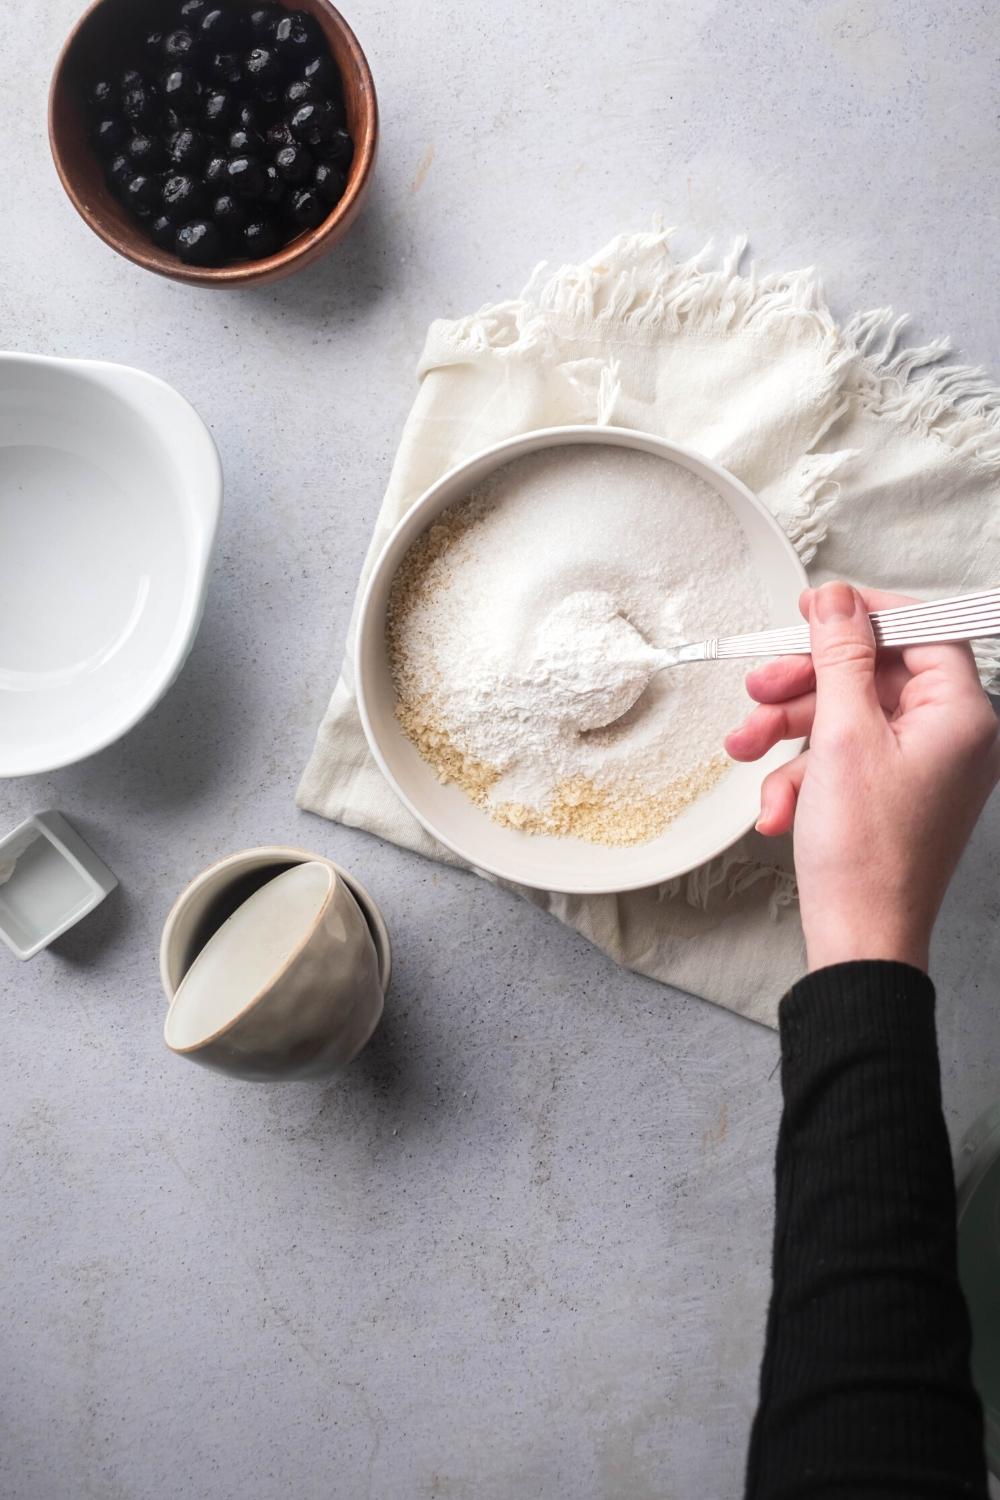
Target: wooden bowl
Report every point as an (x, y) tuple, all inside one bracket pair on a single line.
[(94, 46)]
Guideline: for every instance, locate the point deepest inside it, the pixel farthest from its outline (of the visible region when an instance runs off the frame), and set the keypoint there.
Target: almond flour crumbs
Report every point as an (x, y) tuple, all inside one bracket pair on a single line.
[(525, 618)]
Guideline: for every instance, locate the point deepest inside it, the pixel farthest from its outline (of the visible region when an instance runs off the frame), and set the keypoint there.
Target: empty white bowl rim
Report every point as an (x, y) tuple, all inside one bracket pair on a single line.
[(117, 378)]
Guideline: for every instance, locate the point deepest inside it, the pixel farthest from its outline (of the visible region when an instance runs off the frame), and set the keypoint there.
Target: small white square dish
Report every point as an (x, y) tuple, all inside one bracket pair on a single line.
[(49, 880)]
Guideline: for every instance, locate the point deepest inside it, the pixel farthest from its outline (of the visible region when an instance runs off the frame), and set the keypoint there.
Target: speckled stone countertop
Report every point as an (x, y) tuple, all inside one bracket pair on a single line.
[(521, 1248)]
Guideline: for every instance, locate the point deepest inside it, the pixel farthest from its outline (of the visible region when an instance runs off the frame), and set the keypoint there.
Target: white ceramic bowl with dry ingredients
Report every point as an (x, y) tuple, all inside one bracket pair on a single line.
[(110, 492), (717, 819)]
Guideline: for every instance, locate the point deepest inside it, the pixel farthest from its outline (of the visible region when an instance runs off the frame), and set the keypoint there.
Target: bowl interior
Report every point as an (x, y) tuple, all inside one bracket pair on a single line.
[(101, 565), (244, 959), (97, 47), (703, 830), (219, 891)]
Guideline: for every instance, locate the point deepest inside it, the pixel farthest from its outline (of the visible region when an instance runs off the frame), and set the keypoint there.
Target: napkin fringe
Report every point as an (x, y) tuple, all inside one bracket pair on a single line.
[(635, 285), (807, 525), (653, 291), (987, 654), (958, 404), (732, 869)]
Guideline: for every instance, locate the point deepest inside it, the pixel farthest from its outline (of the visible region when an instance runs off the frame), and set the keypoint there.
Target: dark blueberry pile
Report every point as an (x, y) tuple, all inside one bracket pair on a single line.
[(228, 136)]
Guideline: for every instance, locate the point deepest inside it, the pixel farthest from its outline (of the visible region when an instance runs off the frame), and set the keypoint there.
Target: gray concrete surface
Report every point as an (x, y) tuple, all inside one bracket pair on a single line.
[(522, 1248)]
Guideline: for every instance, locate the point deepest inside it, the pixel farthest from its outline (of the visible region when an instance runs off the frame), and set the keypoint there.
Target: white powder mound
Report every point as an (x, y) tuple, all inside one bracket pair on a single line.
[(537, 619), (590, 664)]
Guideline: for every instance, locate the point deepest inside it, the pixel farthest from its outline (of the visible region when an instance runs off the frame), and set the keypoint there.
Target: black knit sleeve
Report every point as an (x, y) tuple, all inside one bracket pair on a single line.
[(865, 1390)]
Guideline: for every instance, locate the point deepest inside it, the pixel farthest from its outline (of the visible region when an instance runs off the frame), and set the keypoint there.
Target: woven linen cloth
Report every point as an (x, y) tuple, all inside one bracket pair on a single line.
[(881, 462)]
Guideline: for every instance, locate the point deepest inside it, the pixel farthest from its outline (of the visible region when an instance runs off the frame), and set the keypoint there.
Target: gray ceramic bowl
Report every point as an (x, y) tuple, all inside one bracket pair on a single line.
[(322, 1003)]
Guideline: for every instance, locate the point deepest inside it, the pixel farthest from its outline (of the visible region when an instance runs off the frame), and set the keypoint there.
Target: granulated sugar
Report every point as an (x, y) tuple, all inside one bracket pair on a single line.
[(523, 619)]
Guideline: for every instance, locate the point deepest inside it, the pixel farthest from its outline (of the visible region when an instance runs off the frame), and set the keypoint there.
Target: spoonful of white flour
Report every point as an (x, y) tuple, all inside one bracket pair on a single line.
[(590, 664)]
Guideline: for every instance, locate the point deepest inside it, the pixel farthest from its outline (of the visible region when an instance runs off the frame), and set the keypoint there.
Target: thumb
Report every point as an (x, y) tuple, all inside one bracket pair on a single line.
[(843, 653)]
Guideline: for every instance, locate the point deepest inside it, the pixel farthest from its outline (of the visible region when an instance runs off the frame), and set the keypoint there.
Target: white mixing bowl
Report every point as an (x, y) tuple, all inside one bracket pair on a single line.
[(110, 492), (703, 830)]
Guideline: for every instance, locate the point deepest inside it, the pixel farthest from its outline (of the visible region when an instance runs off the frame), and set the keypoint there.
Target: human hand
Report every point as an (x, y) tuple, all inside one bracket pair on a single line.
[(903, 754)]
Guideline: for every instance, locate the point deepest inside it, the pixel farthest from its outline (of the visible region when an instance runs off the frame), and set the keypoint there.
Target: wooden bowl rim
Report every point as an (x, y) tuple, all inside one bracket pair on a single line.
[(298, 253)]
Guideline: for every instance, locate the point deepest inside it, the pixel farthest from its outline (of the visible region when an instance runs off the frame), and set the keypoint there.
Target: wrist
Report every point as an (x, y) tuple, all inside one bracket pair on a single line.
[(830, 942)]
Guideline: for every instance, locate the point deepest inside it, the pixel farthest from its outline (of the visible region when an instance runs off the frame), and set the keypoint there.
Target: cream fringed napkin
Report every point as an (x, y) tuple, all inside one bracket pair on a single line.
[(883, 466)]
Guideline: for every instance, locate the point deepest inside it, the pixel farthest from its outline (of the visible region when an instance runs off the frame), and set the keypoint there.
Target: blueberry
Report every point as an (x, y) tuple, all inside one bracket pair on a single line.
[(297, 37), (183, 197), (268, 101), (101, 96), (278, 135), (338, 151), (274, 190), (260, 239), (312, 124), (246, 176), (141, 104), (191, 12), (335, 103), (222, 26), (120, 171), (162, 231), (147, 152), (227, 69), (330, 183), (301, 91), (110, 135), (187, 148), (243, 142), (152, 46), (217, 109), (130, 79), (262, 66), (294, 164), (141, 193), (215, 170), (177, 45), (230, 213), (262, 21), (248, 118), (307, 209), (322, 71), (181, 94), (199, 243)]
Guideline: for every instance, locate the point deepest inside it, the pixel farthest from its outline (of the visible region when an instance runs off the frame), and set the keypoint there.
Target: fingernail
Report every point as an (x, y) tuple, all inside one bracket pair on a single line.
[(834, 601)]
